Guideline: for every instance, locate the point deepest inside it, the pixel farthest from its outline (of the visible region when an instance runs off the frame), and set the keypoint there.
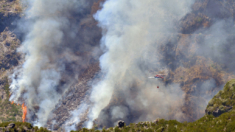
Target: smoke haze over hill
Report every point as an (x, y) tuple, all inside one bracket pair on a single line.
[(187, 40), (133, 34), (51, 63)]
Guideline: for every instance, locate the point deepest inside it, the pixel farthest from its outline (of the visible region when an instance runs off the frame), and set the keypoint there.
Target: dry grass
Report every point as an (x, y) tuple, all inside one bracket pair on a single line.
[(7, 7)]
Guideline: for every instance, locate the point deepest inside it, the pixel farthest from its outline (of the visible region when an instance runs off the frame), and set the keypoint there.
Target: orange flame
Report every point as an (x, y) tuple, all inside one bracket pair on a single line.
[(24, 108), (12, 102)]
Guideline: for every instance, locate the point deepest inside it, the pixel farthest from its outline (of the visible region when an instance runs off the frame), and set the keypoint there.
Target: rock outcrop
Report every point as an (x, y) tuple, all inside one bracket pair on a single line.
[(18, 127), (121, 124), (223, 101)]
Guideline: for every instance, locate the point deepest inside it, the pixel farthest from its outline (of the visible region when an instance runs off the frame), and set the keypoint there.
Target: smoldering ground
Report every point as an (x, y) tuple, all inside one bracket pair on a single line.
[(54, 52)]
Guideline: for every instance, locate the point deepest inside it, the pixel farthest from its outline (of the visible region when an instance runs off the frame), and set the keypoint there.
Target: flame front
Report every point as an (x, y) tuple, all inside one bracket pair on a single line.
[(24, 108)]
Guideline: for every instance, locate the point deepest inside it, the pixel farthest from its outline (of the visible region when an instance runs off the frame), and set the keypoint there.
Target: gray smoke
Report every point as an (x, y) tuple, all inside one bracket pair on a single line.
[(75, 119), (217, 44), (206, 90), (50, 65), (133, 32)]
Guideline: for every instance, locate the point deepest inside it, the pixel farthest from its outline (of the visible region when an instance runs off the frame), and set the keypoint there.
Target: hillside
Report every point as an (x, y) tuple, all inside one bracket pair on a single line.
[(223, 121), (199, 75), (9, 58), (223, 101), (191, 59), (10, 7), (20, 127)]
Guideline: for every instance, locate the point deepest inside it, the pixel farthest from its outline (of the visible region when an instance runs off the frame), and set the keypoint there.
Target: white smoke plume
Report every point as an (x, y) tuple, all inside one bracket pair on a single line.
[(133, 32), (75, 119), (48, 57)]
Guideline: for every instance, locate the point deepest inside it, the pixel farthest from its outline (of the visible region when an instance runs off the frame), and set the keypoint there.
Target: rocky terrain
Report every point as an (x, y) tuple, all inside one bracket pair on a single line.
[(184, 66), (223, 101), (20, 127), (9, 58)]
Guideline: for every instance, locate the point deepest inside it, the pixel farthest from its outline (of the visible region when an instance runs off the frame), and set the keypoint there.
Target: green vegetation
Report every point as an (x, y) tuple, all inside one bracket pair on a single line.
[(223, 101), (22, 127), (6, 86), (208, 123), (199, 19), (9, 112), (17, 124)]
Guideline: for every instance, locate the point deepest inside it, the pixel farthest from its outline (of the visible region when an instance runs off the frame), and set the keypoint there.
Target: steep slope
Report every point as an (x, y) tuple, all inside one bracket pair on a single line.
[(20, 127), (9, 12), (8, 110), (9, 58), (222, 122), (192, 71), (223, 101), (79, 92)]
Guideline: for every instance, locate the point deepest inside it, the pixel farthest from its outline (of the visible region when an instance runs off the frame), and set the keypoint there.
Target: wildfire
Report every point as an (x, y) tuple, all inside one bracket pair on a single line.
[(24, 108), (12, 102)]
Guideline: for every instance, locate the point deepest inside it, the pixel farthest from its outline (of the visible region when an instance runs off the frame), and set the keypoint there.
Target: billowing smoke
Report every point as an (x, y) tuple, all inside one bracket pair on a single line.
[(133, 32), (50, 63), (139, 40)]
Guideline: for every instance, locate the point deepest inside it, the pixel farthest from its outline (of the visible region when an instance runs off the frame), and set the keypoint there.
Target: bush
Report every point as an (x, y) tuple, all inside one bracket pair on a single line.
[(231, 126)]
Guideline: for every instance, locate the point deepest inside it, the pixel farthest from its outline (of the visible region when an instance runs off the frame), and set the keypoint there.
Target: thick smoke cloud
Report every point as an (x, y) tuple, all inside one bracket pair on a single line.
[(50, 61), (133, 32)]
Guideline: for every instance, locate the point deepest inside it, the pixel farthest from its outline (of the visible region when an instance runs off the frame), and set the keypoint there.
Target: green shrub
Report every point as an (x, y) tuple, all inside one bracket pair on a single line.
[(231, 126)]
